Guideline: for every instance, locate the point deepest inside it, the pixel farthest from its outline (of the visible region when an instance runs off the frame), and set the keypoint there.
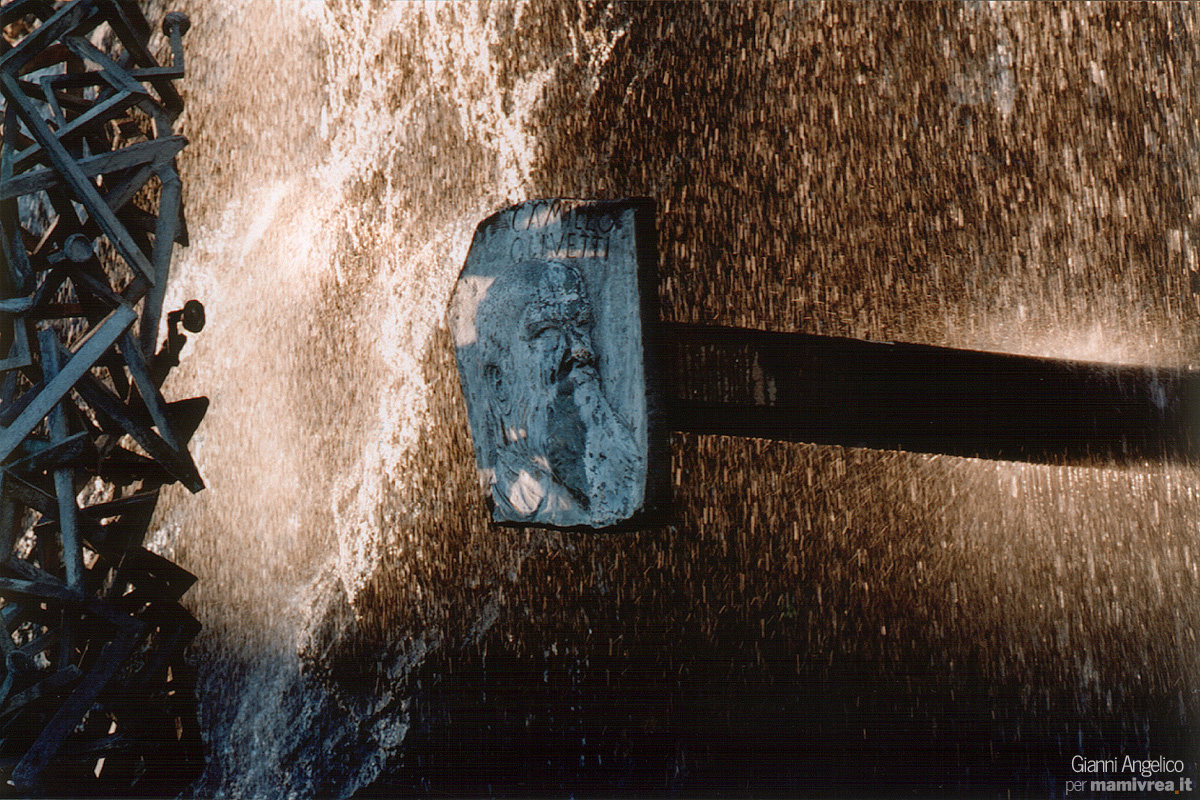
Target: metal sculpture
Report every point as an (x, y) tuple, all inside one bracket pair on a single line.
[(94, 693)]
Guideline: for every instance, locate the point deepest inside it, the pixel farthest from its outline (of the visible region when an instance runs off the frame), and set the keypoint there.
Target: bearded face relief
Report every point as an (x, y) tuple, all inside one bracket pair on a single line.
[(557, 406), (561, 453), (555, 340)]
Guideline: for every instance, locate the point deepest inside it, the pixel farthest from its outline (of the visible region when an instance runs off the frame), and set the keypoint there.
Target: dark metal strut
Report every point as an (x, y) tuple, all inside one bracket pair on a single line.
[(828, 390)]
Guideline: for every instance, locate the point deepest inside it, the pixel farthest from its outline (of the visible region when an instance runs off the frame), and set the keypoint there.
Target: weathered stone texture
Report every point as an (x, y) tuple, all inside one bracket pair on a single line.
[(548, 334)]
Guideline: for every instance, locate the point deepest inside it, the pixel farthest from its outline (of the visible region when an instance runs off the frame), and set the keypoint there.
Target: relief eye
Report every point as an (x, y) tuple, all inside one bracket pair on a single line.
[(542, 331)]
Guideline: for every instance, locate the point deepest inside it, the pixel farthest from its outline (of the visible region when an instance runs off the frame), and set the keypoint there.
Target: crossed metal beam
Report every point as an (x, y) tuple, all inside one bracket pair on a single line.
[(93, 689)]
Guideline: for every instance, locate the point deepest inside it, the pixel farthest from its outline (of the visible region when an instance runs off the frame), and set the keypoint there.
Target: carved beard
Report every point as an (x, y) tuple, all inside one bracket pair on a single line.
[(524, 483), (574, 444), (566, 441), (611, 456)]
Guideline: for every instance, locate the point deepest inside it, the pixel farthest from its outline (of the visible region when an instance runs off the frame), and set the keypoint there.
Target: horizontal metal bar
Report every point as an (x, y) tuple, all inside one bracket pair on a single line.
[(132, 156), (49, 589), (81, 80), (53, 456), (141, 501), (828, 390)]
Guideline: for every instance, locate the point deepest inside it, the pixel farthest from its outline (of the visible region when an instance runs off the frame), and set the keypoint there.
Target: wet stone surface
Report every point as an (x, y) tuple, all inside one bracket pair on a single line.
[(546, 320)]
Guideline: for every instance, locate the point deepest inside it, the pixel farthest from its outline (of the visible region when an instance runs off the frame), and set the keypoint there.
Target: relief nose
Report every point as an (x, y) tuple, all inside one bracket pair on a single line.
[(576, 353), (579, 348)]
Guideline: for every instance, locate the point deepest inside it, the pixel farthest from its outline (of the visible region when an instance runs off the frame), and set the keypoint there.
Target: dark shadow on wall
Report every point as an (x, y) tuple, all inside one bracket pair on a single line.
[(702, 708), (898, 634)]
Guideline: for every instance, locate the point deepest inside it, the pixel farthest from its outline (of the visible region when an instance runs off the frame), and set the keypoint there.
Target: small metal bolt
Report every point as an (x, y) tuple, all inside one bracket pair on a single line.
[(77, 248), (176, 20), (193, 316)]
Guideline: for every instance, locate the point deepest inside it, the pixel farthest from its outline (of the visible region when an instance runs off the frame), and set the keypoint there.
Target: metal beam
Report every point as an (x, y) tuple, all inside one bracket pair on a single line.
[(79, 183), (890, 396), (103, 336), (132, 156)]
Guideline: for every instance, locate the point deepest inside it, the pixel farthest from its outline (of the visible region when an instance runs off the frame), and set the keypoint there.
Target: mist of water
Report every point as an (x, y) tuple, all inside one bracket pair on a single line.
[(997, 176)]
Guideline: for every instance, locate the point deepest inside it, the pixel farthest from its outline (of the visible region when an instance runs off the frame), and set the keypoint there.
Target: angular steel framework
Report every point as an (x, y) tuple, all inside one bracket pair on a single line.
[(94, 693)]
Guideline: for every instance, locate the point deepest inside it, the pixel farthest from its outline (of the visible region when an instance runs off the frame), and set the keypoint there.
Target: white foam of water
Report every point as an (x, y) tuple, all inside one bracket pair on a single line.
[(258, 260), (413, 284)]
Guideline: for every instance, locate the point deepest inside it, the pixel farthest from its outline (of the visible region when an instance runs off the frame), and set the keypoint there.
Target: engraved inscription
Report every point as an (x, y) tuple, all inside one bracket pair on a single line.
[(559, 245), (549, 229)]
